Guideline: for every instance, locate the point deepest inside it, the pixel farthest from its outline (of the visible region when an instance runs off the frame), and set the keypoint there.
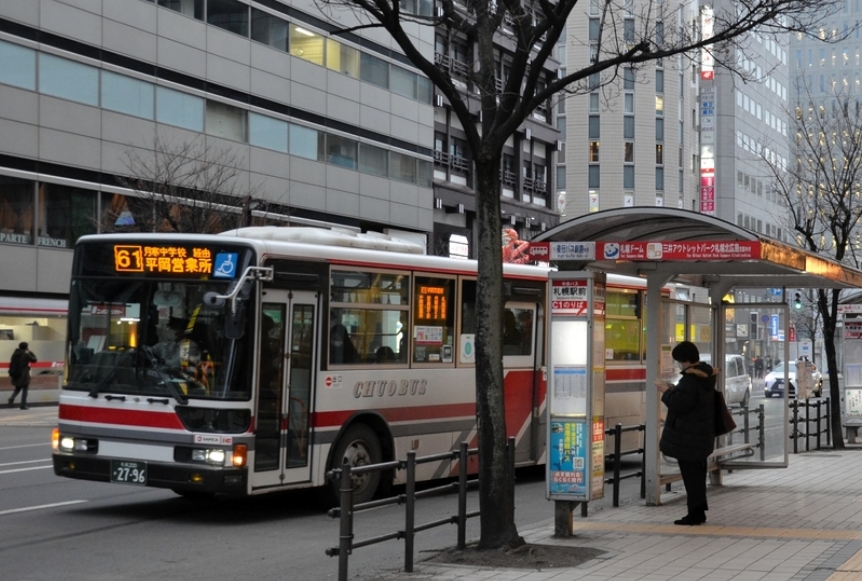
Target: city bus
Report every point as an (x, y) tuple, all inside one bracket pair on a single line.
[(258, 359)]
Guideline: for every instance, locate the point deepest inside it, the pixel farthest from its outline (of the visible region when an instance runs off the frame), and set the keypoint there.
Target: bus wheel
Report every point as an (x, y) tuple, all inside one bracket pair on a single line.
[(360, 447)]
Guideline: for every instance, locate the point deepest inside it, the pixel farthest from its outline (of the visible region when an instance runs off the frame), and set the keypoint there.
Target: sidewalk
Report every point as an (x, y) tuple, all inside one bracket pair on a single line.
[(803, 523)]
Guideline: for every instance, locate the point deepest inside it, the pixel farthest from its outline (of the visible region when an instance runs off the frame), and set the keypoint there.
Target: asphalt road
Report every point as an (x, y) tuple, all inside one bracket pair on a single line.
[(53, 528)]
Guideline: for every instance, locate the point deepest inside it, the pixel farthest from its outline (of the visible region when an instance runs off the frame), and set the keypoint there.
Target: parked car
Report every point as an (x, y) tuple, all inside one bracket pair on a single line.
[(774, 380), (737, 382)]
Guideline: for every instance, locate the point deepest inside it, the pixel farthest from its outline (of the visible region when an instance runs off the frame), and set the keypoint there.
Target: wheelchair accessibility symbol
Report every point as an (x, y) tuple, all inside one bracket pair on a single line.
[(225, 265)]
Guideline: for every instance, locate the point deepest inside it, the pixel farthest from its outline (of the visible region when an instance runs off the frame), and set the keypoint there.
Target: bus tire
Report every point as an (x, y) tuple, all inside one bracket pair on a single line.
[(360, 446)]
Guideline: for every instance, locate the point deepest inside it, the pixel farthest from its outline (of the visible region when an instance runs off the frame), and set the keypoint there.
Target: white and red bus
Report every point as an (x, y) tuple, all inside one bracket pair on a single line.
[(258, 359)]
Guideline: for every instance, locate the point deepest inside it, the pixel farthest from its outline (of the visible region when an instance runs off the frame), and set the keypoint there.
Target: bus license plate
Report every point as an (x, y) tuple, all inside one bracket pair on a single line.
[(129, 472)]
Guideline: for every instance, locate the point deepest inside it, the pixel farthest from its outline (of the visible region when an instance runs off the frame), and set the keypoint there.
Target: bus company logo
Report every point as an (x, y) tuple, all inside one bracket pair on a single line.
[(213, 439), (390, 388)]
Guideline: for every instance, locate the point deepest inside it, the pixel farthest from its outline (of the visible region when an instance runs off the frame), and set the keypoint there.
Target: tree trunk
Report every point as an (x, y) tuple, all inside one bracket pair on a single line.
[(829, 328), (496, 501)]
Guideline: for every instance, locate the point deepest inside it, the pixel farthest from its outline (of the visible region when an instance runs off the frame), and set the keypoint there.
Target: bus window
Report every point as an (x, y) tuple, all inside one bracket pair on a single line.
[(368, 317), (623, 328), (433, 320), (517, 331)]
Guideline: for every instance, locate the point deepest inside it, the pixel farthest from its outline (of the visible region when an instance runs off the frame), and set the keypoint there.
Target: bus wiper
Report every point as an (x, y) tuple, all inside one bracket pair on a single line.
[(94, 393), (176, 393)]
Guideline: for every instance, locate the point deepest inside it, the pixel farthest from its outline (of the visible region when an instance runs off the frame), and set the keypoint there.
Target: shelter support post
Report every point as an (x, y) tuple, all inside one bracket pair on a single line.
[(655, 283)]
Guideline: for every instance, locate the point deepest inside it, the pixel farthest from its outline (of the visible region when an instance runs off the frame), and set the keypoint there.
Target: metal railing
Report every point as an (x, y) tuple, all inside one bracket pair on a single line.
[(802, 427), (347, 509), (746, 428), (616, 457)]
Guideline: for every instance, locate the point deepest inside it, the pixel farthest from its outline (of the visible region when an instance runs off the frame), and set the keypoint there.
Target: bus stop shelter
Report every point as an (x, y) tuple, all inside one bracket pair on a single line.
[(665, 245)]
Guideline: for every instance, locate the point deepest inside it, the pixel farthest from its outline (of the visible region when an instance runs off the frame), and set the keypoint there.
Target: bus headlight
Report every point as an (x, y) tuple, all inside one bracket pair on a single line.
[(215, 457), (70, 444)]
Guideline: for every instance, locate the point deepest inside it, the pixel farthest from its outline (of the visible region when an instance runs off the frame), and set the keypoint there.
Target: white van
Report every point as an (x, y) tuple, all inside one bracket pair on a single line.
[(737, 382)]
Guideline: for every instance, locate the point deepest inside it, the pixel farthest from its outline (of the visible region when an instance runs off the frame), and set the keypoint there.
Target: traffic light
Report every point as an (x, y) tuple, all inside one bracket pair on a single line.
[(797, 301)]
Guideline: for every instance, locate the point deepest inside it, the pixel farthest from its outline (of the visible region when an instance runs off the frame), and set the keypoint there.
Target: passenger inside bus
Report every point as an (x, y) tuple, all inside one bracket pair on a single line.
[(385, 354), (341, 348)]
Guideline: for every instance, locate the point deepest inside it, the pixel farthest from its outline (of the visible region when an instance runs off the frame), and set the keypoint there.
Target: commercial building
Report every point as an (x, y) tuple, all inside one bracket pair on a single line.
[(320, 128)]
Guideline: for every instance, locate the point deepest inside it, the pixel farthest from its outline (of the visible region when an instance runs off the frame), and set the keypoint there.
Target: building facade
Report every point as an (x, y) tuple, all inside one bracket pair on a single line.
[(322, 128)]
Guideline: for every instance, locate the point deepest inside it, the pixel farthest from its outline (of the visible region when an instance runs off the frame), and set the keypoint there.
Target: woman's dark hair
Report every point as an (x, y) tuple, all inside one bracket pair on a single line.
[(686, 351)]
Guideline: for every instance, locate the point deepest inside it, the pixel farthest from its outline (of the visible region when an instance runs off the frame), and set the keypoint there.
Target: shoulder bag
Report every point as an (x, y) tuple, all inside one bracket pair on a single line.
[(724, 423)]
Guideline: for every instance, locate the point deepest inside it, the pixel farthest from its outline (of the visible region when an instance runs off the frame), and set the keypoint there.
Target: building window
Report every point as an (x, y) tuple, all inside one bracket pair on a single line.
[(594, 177), (304, 142), (307, 45), (230, 15), (629, 79), (128, 95), (659, 154), (629, 103), (373, 160), (594, 102), (629, 177), (66, 214), (659, 129), (19, 66), (659, 179), (561, 177), (402, 82), (373, 70), (595, 28), (193, 8), (226, 121), (629, 127), (69, 80), (267, 132), (339, 151), (402, 167), (659, 81), (659, 106), (269, 29), (16, 210), (594, 127), (629, 152), (180, 109), (594, 151)]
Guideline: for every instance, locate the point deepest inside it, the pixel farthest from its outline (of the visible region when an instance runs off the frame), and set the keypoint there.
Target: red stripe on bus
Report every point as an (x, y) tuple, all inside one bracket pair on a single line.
[(74, 413), (625, 374)]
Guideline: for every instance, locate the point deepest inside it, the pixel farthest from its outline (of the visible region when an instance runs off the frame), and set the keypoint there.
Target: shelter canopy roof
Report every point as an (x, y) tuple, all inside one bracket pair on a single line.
[(689, 247)]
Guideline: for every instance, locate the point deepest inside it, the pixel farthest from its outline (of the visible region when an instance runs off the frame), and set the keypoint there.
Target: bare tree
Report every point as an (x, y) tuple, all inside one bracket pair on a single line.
[(190, 186), (822, 188), (526, 32)]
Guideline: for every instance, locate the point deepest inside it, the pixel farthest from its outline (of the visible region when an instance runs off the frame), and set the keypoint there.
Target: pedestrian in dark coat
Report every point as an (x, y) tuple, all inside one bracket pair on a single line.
[(20, 364), (689, 429)]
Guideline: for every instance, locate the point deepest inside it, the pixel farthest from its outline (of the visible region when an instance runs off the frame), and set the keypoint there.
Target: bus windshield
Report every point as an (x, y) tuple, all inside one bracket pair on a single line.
[(152, 338)]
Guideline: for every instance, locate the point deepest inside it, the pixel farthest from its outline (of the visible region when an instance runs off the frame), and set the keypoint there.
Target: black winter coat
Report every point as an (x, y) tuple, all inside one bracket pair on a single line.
[(689, 429)]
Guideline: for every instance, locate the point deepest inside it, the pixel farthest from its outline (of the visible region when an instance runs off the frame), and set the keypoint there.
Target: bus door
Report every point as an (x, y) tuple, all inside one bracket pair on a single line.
[(521, 351), (285, 387)]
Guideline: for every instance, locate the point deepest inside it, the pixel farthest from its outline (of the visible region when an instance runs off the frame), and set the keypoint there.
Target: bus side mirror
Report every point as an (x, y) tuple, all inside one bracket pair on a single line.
[(234, 322), (213, 300)]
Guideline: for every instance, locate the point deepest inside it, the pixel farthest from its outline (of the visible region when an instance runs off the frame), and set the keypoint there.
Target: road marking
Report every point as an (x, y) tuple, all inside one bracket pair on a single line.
[(25, 446), (24, 469), (25, 462), (41, 506)]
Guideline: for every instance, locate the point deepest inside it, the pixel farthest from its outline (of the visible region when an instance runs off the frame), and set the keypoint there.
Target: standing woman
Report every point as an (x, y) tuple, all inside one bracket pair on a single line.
[(689, 429)]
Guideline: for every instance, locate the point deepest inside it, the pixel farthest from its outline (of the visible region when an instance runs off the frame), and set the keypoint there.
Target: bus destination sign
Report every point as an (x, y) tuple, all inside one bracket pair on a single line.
[(167, 259)]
